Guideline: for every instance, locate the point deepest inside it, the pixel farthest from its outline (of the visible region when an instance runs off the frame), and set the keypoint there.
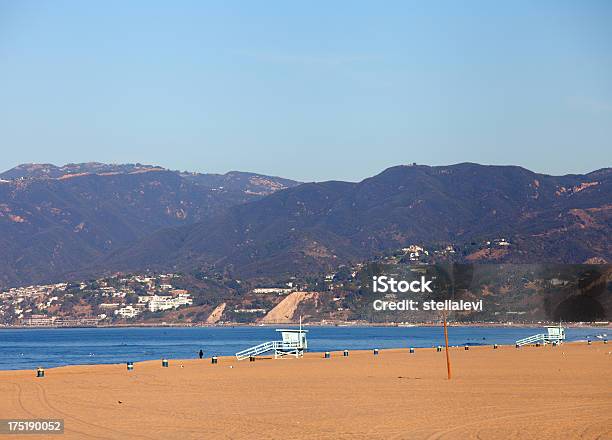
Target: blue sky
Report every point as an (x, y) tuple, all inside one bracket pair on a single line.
[(308, 90)]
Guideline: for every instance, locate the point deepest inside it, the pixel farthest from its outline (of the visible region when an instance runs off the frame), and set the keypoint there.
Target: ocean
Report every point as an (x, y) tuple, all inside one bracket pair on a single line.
[(53, 347)]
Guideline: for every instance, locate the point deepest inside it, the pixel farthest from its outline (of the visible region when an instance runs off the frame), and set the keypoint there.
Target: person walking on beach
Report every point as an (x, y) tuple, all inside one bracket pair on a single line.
[(201, 353)]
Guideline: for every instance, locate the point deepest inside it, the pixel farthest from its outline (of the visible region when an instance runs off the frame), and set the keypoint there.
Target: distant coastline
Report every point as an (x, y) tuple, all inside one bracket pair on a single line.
[(318, 324)]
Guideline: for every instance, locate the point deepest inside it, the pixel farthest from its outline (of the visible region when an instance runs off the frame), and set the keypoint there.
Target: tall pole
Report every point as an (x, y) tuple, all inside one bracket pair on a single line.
[(300, 339), (448, 365)]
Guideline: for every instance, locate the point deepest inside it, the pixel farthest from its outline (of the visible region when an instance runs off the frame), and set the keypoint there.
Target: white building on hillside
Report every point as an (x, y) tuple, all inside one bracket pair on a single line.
[(157, 303), (277, 290), (128, 312)]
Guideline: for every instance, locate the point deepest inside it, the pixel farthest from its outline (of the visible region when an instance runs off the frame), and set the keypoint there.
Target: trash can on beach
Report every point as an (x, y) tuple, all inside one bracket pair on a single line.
[(130, 366), (40, 372), (165, 363)]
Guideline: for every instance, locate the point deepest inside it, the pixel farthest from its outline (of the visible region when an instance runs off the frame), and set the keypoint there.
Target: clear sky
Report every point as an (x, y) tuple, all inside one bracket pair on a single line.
[(311, 90)]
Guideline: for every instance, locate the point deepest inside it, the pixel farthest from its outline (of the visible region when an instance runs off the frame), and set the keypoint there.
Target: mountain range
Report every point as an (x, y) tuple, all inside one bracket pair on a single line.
[(55, 220), (85, 219)]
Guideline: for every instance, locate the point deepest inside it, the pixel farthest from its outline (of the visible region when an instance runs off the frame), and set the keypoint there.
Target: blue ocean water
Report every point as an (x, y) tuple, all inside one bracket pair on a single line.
[(30, 348)]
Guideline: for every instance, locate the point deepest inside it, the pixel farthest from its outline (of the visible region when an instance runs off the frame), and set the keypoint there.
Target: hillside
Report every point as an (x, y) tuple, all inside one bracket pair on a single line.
[(84, 220), (58, 219), (316, 226)]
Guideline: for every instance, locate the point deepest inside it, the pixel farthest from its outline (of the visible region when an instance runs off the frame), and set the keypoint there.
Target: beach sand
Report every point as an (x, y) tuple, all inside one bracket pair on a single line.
[(531, 393)]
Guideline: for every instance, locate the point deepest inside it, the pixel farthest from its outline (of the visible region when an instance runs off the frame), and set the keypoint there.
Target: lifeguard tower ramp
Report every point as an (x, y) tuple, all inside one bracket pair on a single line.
[(553, 335), (293, 343)]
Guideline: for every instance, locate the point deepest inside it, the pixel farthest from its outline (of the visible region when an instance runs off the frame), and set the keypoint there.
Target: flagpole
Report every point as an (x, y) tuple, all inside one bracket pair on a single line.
[(448, 365)]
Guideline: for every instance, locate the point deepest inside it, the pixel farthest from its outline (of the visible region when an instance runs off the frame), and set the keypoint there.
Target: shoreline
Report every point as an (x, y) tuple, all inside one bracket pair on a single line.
[(308, 354), (602, 324)]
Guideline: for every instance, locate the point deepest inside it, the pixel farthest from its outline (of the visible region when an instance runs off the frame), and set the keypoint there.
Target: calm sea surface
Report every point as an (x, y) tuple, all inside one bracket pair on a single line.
[(27, 349)]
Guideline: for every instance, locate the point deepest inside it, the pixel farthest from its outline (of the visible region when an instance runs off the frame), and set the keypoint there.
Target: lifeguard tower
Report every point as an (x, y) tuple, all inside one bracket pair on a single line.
[(293, 343), (553, 334)]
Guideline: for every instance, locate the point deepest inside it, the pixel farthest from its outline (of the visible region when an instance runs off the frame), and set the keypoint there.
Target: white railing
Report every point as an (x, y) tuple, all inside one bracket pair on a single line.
[(265, 347), (257, 349), (540, 337), (531, 339)]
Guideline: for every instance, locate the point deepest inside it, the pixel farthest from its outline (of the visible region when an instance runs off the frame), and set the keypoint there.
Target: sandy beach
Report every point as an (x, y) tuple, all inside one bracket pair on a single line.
[(531, 393)]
